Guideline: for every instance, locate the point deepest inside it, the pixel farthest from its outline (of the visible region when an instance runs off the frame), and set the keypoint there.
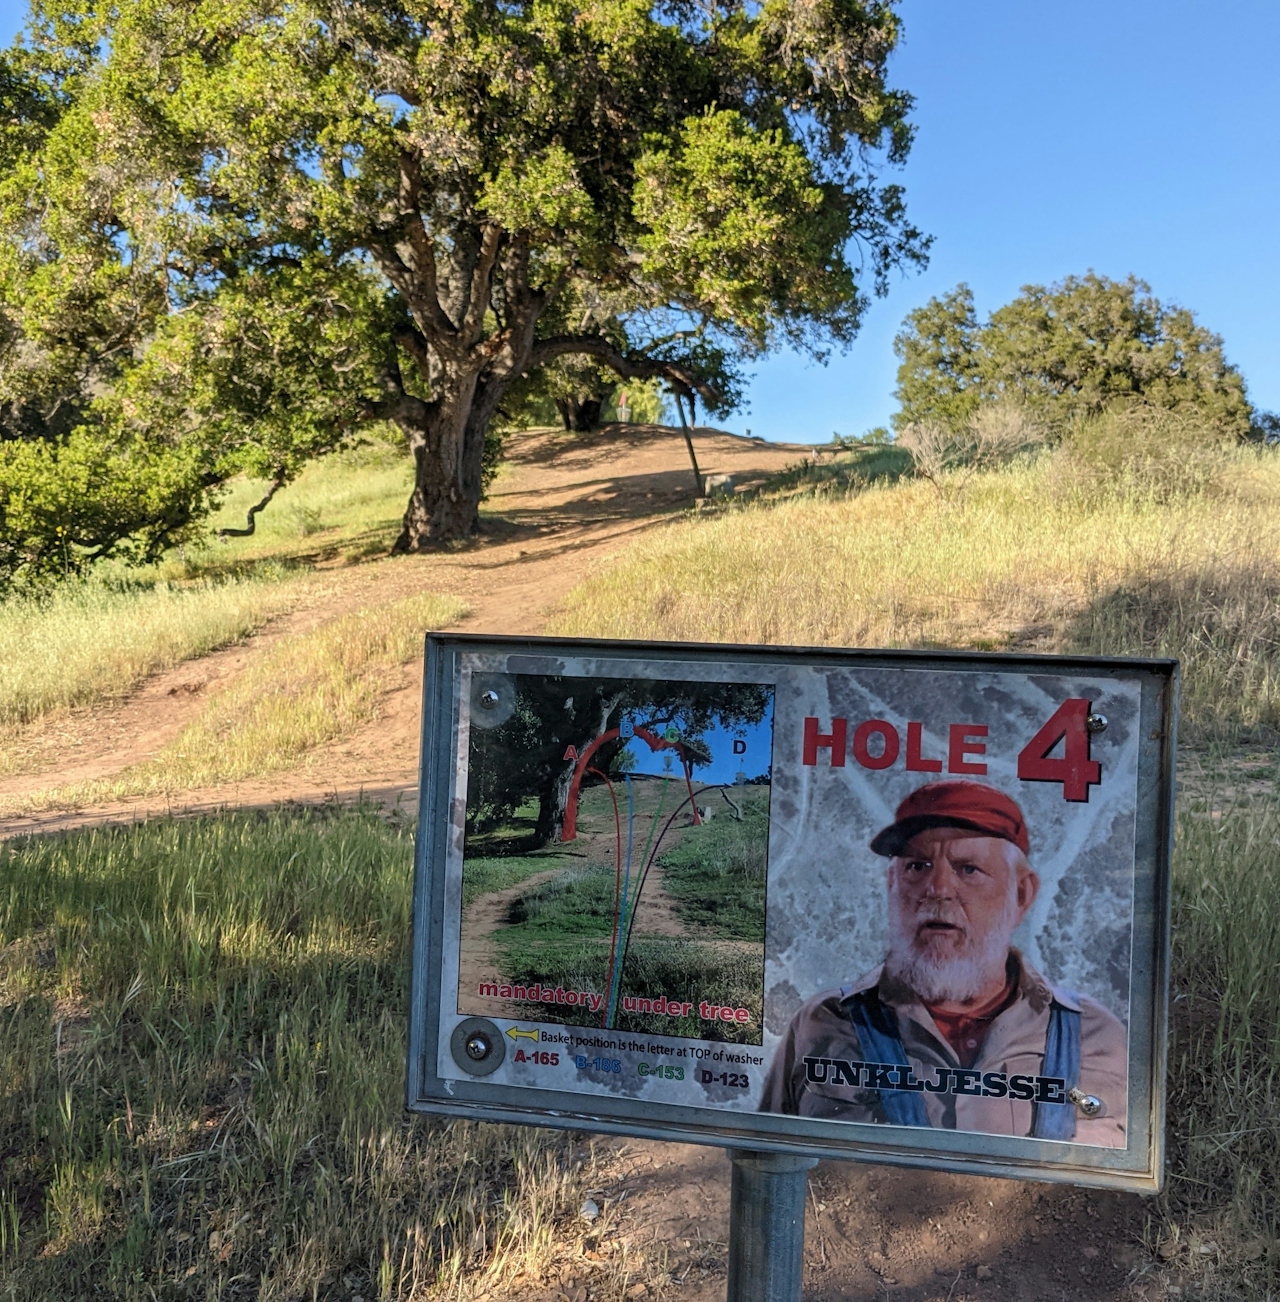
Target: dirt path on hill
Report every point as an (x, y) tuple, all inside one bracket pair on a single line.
[(561, 505), (656, 911), (485, 916)]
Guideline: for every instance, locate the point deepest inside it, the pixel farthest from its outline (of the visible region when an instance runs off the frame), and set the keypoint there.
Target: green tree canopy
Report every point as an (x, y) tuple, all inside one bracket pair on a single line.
[(269, 225), (524, 757), (1074, 348)]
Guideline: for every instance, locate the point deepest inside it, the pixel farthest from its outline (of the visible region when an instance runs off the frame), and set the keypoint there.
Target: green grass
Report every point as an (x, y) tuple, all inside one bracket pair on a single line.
[(202, 1061), (348, 505), (1224, 1127), (561, 929), (578, 902), (674, 967), (717, 873), (481, 875), (688, 971)]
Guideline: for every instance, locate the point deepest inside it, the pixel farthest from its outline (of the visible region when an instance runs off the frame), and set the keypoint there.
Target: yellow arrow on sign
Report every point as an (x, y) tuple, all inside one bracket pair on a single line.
[(519, 1035)]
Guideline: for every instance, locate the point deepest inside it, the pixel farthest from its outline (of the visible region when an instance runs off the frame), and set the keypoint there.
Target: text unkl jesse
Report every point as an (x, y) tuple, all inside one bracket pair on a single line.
[(948, 1080)]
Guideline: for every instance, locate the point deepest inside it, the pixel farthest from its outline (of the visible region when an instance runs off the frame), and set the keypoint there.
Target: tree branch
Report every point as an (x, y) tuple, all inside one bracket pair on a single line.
[(415, 345), (408, 411), (424, 250), (478, 292), (629, 366), (250, 522)]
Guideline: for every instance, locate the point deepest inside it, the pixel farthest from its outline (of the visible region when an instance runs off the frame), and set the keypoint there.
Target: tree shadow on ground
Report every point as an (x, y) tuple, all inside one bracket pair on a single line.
[(828, 474), (1221, 622)]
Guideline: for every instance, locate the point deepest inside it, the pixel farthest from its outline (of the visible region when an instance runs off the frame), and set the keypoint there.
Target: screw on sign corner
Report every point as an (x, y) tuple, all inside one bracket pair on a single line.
[(477, 1046)]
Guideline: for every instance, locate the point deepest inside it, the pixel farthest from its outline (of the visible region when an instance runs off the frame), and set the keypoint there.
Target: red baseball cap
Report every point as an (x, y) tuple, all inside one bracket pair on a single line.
[(971, 805)]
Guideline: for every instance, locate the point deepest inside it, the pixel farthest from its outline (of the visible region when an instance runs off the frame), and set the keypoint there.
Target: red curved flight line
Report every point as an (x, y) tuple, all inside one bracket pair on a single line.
[(569, 826)]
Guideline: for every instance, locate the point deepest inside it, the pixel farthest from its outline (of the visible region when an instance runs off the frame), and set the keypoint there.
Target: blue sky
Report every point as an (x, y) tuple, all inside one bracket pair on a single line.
[(1124, 137), (1128, 137), (725, 765)]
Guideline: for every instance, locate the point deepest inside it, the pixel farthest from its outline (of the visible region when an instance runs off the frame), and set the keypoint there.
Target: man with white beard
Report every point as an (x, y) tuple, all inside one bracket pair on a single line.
[(955, 1029)]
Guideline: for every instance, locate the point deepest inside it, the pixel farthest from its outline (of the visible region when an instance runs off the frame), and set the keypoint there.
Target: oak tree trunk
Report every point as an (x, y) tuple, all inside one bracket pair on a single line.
[(448, 455), (580, 415)]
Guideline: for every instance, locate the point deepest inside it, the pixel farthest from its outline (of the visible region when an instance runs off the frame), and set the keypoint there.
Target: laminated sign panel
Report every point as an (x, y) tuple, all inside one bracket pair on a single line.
[(893, 906)]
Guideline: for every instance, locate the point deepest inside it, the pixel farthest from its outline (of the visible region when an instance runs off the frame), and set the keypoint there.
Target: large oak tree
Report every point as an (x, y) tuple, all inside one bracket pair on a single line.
[(335, 213)]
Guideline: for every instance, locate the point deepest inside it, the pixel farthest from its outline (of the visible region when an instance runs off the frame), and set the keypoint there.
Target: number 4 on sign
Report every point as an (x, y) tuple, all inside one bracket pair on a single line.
[(1073, 768)]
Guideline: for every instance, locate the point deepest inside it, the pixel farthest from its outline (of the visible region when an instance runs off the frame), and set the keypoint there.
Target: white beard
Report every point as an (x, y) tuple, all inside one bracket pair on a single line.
[(955, 977)]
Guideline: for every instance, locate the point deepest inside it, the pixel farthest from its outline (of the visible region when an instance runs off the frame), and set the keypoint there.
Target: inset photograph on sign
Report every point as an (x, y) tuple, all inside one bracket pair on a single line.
[(615, 856)]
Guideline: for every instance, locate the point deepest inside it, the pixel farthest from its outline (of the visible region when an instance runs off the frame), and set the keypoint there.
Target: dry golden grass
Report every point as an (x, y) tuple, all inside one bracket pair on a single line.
[(308, 690), (1021, 558), (1050, 556), (87, 642)]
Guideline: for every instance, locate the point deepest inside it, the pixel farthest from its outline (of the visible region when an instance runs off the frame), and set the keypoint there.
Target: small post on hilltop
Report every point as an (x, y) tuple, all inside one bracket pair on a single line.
[(766, 1225), (688, 442)]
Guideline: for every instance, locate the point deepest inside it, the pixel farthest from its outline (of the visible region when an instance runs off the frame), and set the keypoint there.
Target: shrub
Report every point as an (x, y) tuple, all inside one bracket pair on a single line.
[(1148, 449)]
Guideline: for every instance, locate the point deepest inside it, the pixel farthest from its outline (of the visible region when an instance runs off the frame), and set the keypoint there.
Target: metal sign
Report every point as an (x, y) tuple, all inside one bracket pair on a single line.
[(894, 906)]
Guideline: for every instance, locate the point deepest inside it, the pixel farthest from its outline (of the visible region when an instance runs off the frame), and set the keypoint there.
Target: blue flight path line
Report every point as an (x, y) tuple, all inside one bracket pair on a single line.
[(616, 974)]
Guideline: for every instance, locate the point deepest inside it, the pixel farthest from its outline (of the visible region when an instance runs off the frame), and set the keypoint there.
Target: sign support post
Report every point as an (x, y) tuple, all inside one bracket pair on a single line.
[(766, 1225)]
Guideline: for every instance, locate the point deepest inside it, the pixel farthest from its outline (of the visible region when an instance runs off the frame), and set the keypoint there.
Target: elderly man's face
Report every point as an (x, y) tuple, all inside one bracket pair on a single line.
[(955, 899)]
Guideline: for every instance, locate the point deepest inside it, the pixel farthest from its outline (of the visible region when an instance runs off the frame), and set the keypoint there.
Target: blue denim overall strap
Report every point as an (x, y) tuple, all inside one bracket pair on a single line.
[(879, 1040), (1061, 1059)]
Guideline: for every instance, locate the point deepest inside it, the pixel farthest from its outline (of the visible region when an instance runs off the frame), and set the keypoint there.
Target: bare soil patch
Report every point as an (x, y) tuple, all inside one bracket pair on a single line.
[(871, 1233)]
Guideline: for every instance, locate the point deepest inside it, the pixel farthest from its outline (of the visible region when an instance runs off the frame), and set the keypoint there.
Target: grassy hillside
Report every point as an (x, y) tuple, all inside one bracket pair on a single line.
[(90, 642), (1021, 558), (346, 506), (310, 689), (201, 1022), (1036, 557), (87, 642)]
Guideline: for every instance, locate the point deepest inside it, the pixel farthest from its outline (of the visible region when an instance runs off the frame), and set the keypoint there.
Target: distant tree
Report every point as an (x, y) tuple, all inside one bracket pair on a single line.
[(938, 379), (524, 757), (420, 186), (1074, 348), (1266, 428), (573, 390)]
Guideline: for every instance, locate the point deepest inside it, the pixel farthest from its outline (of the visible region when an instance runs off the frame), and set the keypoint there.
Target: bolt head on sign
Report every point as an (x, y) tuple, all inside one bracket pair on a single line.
[(929, 929)]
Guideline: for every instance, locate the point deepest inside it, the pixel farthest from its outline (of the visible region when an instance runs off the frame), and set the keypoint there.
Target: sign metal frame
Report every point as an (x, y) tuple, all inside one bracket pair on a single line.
[(963, 1152)]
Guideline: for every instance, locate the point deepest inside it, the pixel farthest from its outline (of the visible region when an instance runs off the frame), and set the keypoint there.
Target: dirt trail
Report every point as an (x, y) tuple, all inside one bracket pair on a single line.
[(484, 916), (561, 505), (655, 910)]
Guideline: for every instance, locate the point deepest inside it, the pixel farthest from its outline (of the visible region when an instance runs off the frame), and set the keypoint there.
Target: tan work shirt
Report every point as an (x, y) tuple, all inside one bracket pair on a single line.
[(1015, 1042)]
